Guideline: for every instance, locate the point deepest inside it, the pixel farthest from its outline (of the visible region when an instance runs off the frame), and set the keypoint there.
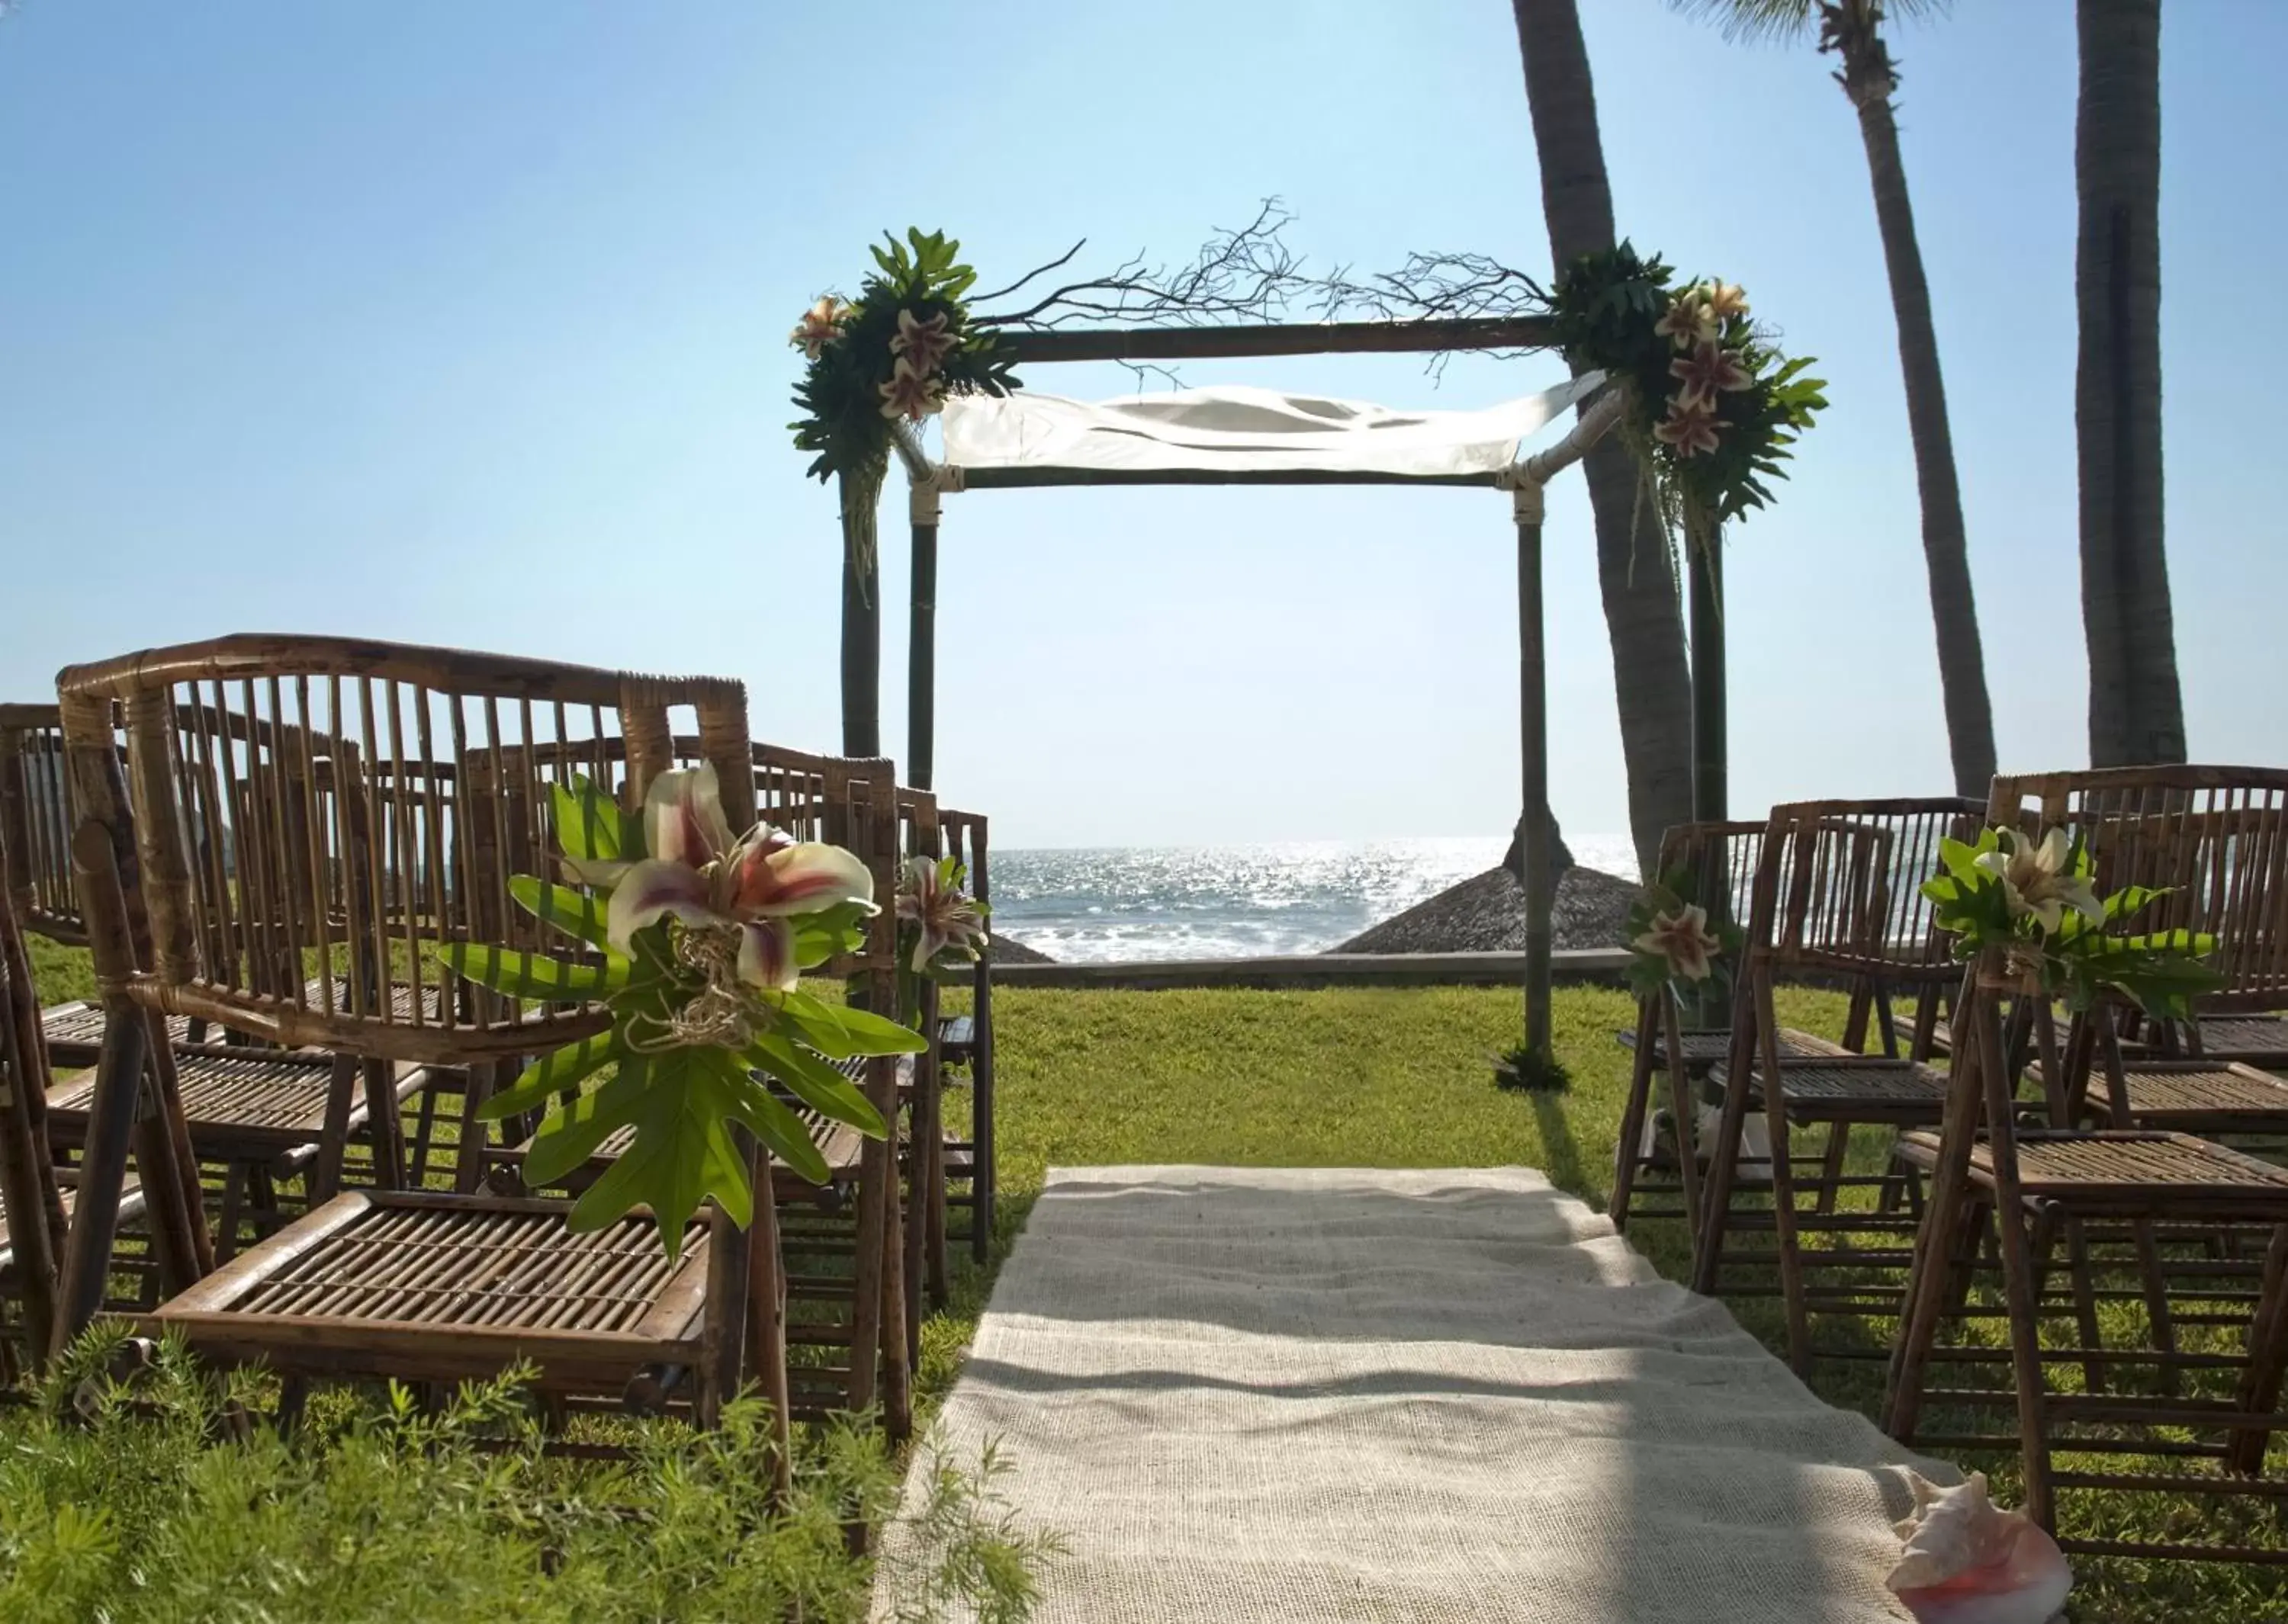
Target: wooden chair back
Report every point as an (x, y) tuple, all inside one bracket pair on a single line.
[(31, 1202), (1715, 864), (2215, 838), (1838, 889), (308, 819), (35, 821)]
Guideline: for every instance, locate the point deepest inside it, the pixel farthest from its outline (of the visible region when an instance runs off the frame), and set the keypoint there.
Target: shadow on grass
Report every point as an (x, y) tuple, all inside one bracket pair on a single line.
[(1563, 1151)]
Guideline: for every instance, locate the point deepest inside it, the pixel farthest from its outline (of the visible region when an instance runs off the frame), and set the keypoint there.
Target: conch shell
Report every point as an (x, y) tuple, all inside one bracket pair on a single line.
[(1968, 1563)]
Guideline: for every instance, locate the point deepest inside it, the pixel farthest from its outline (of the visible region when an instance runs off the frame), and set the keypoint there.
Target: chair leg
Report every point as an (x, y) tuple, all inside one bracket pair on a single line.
[(766, 1343), (333, 1139), (1723, 1163), (2268, 1358), (2018, 1282), (2093, 1370), (875, 1243), (1681, 1105), (382, 1124), (1831, 1166), (234, 1195), (469, 1153), (425, 1133), (1943, 1206), (901, 1341), (1783, 1213), (1635, 1108)]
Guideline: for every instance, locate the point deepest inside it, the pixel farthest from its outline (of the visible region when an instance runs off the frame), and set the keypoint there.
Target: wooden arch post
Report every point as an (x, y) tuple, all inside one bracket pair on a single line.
[(1527, 505), (1528, 487)]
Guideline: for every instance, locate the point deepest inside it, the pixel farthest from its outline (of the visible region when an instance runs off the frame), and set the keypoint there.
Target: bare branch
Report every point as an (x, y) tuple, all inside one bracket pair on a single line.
[(1003, 293), (1244, 275)]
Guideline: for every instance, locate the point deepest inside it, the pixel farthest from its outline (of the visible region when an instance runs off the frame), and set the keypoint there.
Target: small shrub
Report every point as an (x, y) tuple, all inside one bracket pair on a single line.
[(148, 1506)]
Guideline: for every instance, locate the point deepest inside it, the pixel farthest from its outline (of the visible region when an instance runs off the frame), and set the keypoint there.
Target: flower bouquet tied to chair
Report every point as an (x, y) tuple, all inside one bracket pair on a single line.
[(695, 937), (2028, 912)]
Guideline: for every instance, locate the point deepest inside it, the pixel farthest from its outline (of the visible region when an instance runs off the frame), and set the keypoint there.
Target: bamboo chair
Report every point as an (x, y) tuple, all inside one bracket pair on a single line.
[(824, 1231), (35, 824), (1718, 860), (1837, 894), (237, 840), (36, 1195), (965, 1044), (2214, 835), (236, 1107)]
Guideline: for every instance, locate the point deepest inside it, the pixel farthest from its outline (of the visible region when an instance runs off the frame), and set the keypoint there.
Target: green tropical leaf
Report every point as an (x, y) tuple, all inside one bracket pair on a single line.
[(533, 975), (781, 1131), (677, 1160), (821, 937), (840, 1032), (817, 1084), (553, 1073), (574, 913), (569, 1135), (592, 827)]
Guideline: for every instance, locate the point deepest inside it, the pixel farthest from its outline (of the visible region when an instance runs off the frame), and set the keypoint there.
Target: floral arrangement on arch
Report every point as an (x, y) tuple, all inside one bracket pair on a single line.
[(1713, 406), (1672, 943), (695, 939), (894, 353), (2032, 904)]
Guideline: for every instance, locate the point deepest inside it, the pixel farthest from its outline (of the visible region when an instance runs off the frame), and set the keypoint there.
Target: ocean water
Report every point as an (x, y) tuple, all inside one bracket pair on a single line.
[(1207, 902)]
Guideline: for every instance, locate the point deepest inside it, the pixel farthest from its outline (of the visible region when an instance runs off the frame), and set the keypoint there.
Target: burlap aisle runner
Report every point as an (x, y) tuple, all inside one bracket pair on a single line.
[(1249, 1394)]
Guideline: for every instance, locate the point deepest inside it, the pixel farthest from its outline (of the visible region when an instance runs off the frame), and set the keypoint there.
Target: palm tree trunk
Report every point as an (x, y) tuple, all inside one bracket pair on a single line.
[(1650, 679), (1954, 610), (2136, 712)]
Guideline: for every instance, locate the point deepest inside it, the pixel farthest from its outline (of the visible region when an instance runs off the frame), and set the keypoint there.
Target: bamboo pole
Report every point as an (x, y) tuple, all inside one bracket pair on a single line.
[(1528, 504), (1533, 754), (1279, 338), (921, 656)]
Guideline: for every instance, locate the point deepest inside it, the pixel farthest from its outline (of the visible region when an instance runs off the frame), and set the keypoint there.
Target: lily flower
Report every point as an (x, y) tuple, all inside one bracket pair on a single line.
[(1688, 322), (753, 885), (942, 915), (911, 393), (2036, 880), (1681, 936), (923, 342), (820, 325), (1710, 369), (1725, 299), (1689, 428)]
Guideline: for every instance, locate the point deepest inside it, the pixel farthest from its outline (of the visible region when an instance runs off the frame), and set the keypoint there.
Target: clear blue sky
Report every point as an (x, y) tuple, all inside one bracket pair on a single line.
[(465, 323)]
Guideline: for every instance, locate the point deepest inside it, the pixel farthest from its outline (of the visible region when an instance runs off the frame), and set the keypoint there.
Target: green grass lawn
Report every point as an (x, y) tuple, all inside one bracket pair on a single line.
[(1388, 1077)]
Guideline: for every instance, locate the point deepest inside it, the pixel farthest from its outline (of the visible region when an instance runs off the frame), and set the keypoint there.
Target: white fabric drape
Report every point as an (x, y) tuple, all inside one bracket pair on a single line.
[(1233, 429)]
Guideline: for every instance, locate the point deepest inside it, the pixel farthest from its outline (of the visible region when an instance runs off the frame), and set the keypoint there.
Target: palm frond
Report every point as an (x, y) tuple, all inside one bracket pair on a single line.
[(1786, 22), (1759, 22)]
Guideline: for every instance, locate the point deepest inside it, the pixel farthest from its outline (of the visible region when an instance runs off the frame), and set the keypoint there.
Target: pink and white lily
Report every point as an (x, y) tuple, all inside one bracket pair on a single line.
[(1687, 321), (1681, 936), (912, 392), (1725, 299), (1709, 370), (1689, 428), (922, 340), (940, 913), (2038, 879), (755, 885), (820, 325)]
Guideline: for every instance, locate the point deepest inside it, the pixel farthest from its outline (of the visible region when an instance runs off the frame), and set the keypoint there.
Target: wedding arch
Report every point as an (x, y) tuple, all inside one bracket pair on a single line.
[(1657, 363)]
